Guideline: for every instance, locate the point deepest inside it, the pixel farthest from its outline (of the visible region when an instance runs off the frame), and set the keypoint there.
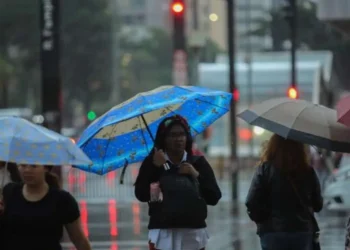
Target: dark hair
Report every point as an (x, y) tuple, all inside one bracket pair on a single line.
[(14, 172), (165, 126), (285, 154), (52, 179)]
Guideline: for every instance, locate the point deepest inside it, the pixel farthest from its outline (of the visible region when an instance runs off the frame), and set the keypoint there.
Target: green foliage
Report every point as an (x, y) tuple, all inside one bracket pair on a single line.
[(85, 44), (312, 33)]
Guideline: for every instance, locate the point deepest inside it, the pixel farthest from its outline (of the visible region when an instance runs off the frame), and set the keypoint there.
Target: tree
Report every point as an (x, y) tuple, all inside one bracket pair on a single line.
[(6, 72), (145, 62), (312, 33), (85, 43)]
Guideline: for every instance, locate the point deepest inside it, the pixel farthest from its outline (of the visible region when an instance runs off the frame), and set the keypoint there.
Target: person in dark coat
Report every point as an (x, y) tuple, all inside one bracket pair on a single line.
[(173, 146), (272, 203)]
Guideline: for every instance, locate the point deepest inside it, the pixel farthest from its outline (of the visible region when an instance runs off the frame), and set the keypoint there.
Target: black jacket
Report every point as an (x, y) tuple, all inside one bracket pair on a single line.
[(271, 186), (149, 173)]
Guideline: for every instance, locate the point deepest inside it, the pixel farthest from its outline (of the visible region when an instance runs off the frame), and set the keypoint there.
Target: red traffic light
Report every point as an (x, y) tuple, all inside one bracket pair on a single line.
[(177, 7), (293, 93), (236, 95)]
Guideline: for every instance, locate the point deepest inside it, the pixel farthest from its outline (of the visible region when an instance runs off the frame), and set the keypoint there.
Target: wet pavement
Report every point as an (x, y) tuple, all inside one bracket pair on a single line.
[(114, 220)]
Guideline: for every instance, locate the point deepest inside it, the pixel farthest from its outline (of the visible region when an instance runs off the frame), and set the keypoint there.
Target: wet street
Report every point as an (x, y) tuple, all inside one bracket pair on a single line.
[(114, 220)]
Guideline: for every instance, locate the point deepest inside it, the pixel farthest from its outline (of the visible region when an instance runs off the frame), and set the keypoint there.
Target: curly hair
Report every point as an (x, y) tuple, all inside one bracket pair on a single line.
[(285, 154)]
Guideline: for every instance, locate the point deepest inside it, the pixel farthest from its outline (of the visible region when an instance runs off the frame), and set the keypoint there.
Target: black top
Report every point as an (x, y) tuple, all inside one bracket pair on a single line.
[(149, 173), (36, 225), (271, 186)]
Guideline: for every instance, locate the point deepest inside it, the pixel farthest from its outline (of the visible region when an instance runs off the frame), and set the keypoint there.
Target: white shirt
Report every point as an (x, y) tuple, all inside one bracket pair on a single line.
[(179, 238)]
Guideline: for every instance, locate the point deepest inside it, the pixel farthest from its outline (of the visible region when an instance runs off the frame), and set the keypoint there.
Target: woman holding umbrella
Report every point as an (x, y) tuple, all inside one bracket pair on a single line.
[(167, 179), (34, 212), (289, 187)]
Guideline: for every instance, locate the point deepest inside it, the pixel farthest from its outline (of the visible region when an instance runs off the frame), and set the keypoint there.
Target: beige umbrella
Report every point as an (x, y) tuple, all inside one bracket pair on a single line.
[(301, 121)]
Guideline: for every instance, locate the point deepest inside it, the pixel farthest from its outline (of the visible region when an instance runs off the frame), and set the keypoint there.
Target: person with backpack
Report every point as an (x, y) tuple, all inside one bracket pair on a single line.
[(178, 186)]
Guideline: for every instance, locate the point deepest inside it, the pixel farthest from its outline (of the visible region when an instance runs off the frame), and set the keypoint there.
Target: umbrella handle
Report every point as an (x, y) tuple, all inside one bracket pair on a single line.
[(166, 166), (126, 164)]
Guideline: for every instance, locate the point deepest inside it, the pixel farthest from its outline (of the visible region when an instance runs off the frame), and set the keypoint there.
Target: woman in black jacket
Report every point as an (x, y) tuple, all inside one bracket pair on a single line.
[(283, 188), (173, 148)]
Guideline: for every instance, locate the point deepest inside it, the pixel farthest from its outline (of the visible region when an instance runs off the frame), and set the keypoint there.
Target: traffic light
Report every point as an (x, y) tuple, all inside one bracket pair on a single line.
[(293, 93), (91, 115), (178, 15), (236, 95), (177, 7)]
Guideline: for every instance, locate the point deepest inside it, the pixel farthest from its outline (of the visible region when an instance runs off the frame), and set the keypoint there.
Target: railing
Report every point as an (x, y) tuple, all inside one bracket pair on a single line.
[(92, 188)]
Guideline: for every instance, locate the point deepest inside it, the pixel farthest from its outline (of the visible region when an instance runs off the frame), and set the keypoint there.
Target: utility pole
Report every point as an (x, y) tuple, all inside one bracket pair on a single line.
[(50, 66), (195, 49), (180, 65), (290, 12), (293, 34), (115, 96), (232, 89), (249, 70)]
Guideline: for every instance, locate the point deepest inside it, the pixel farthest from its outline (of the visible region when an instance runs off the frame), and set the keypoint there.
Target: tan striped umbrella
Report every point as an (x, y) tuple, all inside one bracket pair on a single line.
[(301, 121)]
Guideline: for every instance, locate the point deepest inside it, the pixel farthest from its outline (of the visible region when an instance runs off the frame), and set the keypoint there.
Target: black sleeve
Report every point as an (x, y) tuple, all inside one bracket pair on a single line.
[(316, 195), (147, 175), (69, 208), (257, 190), (207, 182)]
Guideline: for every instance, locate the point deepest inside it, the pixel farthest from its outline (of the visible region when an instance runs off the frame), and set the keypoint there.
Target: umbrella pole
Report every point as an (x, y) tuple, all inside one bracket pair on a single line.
[(148, 130), (126, 162), (166, 165)]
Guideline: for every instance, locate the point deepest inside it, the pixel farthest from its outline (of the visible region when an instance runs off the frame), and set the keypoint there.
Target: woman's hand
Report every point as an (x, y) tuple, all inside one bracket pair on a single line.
[(159, 158), (186, 168)]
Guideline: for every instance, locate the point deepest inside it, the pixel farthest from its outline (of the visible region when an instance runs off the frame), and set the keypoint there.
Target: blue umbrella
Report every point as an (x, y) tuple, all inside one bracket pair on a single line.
[(125, 133), (26, 143)]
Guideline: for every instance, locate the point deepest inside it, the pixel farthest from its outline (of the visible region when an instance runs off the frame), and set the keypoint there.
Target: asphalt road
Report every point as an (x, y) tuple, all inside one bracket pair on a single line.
[(114, 220)]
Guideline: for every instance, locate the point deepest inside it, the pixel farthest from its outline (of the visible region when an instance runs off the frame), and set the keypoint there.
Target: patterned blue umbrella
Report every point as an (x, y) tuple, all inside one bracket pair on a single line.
[(26, 143), (125, 133)]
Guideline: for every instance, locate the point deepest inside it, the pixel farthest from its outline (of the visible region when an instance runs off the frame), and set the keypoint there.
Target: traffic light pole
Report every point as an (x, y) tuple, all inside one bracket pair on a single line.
[(232, 87), (180, 57), (50, 66), (293, 38)]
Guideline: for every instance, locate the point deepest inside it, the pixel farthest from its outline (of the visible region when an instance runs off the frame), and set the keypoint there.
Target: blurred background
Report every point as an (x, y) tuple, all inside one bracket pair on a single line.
[(64, 63)]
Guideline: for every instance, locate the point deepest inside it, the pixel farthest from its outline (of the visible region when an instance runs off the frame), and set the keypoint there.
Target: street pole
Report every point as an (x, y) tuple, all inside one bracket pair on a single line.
[(293, 33), (195, 49), (232, 86), (115, 96), (50, 66), (249, 71)]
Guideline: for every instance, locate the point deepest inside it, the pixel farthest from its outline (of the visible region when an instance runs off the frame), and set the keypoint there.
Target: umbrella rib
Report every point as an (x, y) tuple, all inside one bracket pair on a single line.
[(144, 137), (328, 125), (211, 104), (176, 114), (109, 140), (296, 117)]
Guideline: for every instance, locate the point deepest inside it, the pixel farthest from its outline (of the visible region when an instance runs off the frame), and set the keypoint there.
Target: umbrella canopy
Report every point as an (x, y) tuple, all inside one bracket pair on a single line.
[(126, 132), (26, 143), (301, 121), (343, 110)]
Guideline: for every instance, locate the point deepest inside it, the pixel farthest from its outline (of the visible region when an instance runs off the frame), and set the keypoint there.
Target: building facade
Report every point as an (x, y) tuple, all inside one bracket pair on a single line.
[(336, 12)]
